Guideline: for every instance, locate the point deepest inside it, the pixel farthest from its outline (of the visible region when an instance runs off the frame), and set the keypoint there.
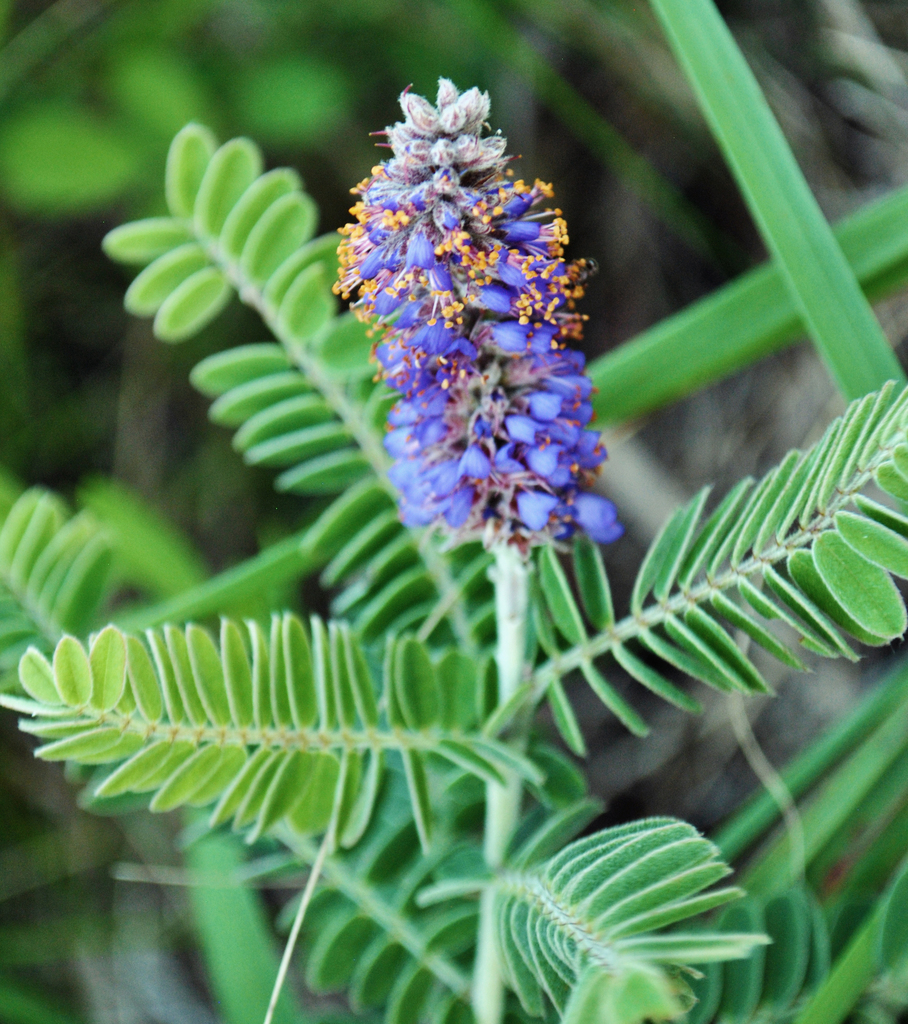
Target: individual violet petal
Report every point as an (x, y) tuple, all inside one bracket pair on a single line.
[(521, 428), (535, 507), (475, 463), (545, 405), (459, 509), (598, 517), (420, 252), (511, 335)]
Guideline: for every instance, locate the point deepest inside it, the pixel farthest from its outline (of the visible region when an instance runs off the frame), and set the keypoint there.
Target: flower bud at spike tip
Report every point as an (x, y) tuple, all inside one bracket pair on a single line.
[(464, 273)]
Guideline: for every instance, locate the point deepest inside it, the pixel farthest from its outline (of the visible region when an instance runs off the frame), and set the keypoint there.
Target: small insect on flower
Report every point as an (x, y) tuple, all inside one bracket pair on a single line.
[(463, 271)]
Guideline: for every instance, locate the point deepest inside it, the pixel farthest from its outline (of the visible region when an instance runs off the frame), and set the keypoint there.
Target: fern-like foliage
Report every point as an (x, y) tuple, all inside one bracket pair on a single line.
[(802, 545), (580, 927), (308, 406), (287, 727), (54, 569), (773, 983)]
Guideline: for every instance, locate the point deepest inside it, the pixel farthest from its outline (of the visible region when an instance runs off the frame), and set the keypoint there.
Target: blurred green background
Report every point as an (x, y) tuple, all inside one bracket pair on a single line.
[(91, 92)]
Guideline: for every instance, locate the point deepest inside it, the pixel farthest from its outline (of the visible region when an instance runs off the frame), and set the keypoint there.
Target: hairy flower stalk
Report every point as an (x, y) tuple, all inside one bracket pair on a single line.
[(465, 276)]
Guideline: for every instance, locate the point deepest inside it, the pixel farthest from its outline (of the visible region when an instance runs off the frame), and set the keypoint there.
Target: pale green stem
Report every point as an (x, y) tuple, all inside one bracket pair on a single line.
[(502, 802)]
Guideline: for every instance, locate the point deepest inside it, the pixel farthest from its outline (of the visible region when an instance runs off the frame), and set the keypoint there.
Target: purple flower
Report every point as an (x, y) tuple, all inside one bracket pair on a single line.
[(420, 252), (545, 405), (496, 298), (463, 270), (535, 507), (474, 462), (598, 516)]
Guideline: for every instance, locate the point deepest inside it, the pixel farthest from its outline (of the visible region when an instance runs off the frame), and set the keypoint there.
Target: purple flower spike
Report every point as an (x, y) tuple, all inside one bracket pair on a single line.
[(463, 268)]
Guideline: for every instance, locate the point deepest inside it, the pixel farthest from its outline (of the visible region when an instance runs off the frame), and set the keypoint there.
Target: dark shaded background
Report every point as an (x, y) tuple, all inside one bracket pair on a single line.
[(90, 95)]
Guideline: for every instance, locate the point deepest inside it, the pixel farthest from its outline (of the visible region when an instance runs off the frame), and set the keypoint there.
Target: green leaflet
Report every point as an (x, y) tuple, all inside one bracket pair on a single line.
[(344, 346), (237, 674), (321, 251), (187, 160), (789, 923), (155, 283), (415, 686), (227, 370), (72, 673), (277, 234), (633, 996), (37, 677), (107, 661), (280, 419), (297, 445), (565, 719), (593, 583), (876, 542), (743, 979), (232, 169), (418, 785), (53, 573), (255, 201), (192, 305), (307, 305), (560, 601), (142, 241)]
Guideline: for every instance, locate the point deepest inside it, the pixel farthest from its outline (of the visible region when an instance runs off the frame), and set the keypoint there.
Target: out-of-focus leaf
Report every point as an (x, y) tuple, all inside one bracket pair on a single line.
[(10, 489), (57, 158), (157, 88), (235, 938), (149, 551), (291, 99), (22, 1004)]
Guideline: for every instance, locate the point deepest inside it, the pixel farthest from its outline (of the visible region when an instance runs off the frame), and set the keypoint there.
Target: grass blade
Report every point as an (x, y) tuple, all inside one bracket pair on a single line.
[(837, 315)]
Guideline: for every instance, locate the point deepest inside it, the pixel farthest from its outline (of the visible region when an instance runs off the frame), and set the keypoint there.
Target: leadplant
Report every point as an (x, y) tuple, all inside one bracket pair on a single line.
[(395, 748)]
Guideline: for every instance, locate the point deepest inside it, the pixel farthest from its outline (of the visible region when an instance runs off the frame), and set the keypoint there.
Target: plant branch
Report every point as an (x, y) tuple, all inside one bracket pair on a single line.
[(686, 598), (276, 737)]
